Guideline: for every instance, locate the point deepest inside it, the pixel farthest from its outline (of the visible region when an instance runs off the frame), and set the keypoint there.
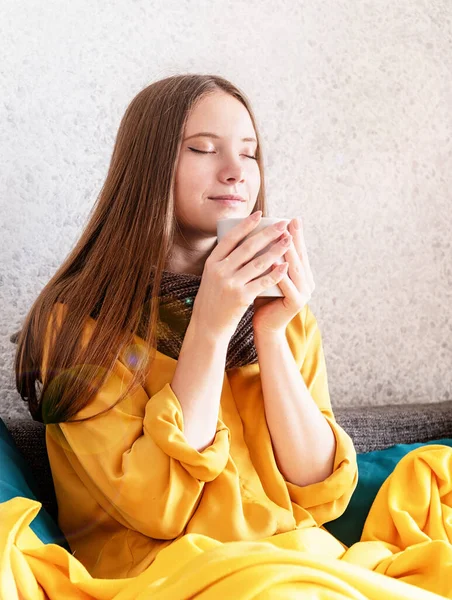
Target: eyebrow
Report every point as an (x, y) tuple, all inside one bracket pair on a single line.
[(217, 137)]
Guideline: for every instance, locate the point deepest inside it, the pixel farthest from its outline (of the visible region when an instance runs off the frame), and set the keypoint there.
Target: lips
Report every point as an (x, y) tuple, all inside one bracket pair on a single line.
[(229, 197)]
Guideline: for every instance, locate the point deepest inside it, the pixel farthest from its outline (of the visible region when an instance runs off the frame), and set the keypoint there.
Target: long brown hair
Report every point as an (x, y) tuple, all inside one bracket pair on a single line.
[(106, 276)]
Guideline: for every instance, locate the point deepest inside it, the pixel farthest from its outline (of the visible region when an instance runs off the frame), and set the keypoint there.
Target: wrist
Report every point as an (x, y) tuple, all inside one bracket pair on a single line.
[(198, 326), (262, 335)]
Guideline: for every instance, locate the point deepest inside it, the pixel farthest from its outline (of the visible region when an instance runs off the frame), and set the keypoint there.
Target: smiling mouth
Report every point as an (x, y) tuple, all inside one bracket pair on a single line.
[(229, 198)]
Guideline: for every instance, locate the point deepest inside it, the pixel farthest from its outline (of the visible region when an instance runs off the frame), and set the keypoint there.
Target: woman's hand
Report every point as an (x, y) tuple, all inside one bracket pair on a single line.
[(273, 315), (233, 275)]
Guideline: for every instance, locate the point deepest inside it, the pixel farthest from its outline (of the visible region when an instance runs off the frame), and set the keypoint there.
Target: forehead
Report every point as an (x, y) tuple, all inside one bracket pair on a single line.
[(222, 114)]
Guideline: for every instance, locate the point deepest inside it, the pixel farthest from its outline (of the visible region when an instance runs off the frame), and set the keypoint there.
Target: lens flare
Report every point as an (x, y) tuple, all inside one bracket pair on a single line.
[(135, 356)]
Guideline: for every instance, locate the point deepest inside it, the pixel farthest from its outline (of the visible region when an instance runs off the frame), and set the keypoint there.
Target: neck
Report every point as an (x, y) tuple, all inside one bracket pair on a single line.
[(190, 260)]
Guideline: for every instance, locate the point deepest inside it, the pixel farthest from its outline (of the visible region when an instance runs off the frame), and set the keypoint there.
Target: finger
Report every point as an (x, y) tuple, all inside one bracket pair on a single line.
[(289, 290), (296, 268), (297, 240), (304, 254), (234, 236), (294, 296), (297, 271), (302, 250), (254, 287)]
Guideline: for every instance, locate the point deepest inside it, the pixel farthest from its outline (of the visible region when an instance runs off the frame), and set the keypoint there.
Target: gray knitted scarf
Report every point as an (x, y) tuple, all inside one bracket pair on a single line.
[(177, 294)]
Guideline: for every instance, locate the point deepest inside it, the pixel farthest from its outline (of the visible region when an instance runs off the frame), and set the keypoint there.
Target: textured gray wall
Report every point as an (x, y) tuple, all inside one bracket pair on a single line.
[(354, 101)]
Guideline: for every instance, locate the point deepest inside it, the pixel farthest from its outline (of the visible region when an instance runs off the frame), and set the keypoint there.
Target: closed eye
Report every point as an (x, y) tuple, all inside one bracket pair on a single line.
[(205, 152), (201, 151)]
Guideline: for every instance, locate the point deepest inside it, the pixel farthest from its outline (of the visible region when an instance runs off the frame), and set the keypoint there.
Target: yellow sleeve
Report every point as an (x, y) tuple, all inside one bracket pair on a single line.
[(140, 468), (134, 458), (328, 499)]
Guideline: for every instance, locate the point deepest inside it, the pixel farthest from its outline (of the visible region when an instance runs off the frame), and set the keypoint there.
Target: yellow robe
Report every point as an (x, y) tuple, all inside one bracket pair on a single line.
[(148, 516)]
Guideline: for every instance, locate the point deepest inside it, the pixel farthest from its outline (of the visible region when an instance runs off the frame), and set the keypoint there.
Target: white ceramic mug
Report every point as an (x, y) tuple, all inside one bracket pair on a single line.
[(224, 225)]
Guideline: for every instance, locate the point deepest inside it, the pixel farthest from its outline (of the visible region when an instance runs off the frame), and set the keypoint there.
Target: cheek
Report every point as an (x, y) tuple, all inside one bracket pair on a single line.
[(192, 181), (193, 174)]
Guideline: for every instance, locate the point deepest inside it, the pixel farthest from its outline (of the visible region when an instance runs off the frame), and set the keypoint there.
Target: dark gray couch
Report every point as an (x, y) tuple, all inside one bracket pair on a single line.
[(371, 428)]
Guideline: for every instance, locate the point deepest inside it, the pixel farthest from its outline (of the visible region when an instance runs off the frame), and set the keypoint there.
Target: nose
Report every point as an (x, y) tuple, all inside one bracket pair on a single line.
[(232, 171)]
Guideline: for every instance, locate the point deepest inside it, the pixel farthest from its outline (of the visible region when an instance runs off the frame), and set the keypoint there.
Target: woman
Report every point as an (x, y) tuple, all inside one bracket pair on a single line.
[(183, 412)]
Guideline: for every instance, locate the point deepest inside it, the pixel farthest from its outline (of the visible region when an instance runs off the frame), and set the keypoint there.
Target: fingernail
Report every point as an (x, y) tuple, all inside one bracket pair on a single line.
[(297, 224), (283, 267), (255, 216)]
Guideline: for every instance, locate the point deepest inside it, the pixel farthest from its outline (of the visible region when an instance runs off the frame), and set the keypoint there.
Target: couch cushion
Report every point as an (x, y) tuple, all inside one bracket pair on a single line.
[(378, 427), (29, 437), (373, 468), (16, 479), (371, 428)]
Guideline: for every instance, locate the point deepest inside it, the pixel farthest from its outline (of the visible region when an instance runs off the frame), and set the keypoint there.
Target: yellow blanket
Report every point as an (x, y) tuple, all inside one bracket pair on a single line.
[(406, 549)]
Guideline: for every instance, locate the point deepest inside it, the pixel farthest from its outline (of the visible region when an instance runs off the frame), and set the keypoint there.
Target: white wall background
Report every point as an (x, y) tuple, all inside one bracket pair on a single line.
[(354, 102)]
